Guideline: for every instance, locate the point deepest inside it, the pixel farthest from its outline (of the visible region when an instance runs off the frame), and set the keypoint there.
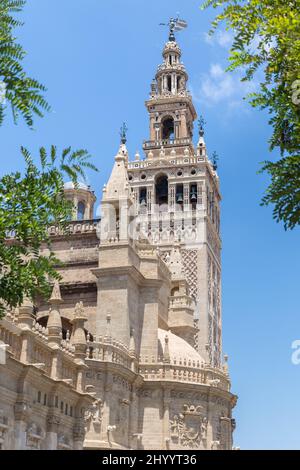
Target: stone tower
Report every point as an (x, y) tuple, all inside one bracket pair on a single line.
[(127, 352), (177, 196)]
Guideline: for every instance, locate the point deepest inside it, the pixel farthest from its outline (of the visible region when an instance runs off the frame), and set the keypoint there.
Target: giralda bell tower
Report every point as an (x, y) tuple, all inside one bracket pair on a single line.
[(177, 196)]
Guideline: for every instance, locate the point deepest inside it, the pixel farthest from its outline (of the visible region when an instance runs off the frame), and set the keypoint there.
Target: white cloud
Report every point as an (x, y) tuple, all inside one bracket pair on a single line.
[(221, 38), (218, 87)]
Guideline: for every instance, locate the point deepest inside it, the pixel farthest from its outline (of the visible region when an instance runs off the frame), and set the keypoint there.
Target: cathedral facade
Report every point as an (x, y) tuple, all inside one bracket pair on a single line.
[(127, 354)]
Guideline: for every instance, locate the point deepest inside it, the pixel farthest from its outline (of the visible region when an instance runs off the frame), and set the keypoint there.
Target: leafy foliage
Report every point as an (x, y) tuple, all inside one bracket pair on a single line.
[(267, 40), (29, 203), (24, 94)]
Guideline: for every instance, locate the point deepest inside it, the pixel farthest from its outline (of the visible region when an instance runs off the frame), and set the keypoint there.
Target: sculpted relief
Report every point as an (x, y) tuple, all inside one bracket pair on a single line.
[(189, 428)]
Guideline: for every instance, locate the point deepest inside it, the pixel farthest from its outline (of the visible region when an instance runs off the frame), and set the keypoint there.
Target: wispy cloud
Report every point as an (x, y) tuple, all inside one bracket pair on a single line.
[(218, 87), (220, 38)]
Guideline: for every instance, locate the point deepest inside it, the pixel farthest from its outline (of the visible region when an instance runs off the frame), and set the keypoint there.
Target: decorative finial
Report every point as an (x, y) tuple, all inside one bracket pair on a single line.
[(123, 133), (56, 295), (201, 124), (175, 24), (166, 352), (215, 159)]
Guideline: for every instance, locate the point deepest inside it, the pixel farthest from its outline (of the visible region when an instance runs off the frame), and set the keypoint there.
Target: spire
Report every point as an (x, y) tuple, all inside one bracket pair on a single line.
[(56, 295), (26, 314), (166, 357), (78, 337), (54, 323), (170, 106), (117, 185), (108, 327)]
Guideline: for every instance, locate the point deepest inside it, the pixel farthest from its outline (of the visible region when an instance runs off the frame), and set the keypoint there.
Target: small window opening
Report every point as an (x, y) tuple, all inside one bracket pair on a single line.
[(169, 83), (81, 211)]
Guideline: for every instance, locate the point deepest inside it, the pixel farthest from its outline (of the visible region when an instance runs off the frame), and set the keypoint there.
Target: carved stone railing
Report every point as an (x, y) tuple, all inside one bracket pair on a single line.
[(75, 227), (107, 349), (183, 160), (167, 67), (187, 371), (150, 144), (181, 301)]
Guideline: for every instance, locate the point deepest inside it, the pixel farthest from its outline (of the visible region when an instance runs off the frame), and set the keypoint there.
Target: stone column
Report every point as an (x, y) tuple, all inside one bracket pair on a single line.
[(22, 413), (54, 326), (172, 193), (133, 417), (186, 196), (53, 422), (78, 434)]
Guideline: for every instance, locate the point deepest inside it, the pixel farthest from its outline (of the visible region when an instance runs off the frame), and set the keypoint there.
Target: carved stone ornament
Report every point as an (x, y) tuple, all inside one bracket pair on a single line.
[(189, 428), (94, 413)]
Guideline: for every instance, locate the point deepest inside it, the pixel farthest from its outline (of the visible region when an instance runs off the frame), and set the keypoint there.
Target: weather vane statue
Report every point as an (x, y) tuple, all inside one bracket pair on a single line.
[(123, 133), (175, 24)]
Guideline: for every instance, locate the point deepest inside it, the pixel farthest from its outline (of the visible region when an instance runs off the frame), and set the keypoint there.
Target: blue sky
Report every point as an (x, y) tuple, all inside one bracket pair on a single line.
[(97, 58)]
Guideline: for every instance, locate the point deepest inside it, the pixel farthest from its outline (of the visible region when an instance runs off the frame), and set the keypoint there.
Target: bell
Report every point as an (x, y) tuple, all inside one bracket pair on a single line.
[(193, 197), (179, 198), (143, 203)]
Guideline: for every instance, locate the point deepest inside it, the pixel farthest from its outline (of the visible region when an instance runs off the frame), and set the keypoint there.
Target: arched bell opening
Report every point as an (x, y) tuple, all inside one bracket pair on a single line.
[(162, 190), (168, 128)]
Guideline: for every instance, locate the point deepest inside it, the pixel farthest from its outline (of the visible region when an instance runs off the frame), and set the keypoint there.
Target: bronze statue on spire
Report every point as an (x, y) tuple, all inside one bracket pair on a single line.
[(175, 24)]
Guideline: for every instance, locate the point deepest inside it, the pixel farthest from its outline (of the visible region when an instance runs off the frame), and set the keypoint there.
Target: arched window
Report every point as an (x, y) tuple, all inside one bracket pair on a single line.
[(168, 129), (175, 291), (143, 196), (161, 190), (80, 210)]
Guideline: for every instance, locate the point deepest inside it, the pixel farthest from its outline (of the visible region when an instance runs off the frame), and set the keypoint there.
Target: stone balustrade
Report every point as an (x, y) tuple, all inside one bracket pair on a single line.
[(151, 144), (140, 164), (31, 346), (181, 301), (106, 349), (75, 227), (184, 370)]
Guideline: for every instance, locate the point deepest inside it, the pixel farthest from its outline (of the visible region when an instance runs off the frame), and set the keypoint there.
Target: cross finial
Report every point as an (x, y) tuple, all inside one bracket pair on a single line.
[(123, 133)]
